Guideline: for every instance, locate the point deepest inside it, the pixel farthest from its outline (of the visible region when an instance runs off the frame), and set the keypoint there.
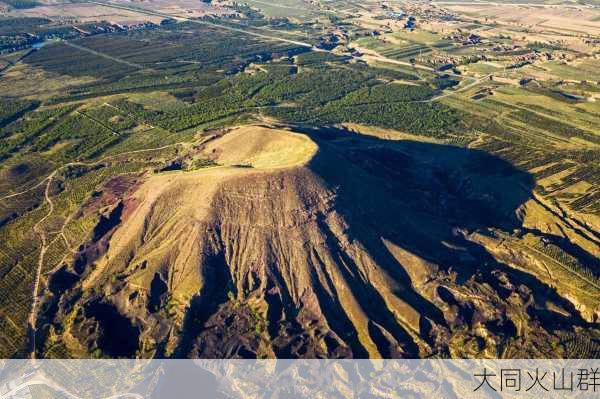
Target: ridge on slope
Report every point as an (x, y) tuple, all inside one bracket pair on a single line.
[(328, 246)]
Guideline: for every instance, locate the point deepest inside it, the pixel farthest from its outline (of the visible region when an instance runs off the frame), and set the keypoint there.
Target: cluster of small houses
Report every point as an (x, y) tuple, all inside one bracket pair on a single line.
[(410, 13), (411, 20), (444, 62), (464, 38)]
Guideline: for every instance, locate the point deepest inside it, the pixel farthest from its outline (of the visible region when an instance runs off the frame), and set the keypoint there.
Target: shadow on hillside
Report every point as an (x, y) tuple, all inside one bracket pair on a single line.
[(426, 198), (421, 197)]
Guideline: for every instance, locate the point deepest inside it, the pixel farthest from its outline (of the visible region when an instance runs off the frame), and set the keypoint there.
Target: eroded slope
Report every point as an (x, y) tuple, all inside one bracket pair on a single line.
[(318, 245)]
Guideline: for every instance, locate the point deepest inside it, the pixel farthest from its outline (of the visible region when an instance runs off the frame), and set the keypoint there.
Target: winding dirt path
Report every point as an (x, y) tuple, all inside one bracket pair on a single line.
[(38, 229), (36, 286), (108, 158)]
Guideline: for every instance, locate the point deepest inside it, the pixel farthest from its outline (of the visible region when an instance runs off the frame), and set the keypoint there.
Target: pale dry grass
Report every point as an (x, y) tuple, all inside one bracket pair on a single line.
[(387, 134), (88, 13), (25, 81), (556, 18), (262, 148), (181, 197)]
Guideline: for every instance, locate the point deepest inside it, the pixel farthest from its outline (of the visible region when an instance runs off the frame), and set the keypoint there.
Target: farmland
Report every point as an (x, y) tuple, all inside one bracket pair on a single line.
[(446, 140)]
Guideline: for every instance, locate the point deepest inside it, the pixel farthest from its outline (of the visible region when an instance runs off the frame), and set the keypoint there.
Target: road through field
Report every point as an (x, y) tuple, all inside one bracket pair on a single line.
[(197, 21), (99, 54), (88, 164), (36, 286), (363, 57), (261, 35), (38, 229), (451, 93)]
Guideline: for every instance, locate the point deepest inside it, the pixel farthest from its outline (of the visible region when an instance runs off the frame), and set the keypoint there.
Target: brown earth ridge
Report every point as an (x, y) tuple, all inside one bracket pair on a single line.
[(314, 243)]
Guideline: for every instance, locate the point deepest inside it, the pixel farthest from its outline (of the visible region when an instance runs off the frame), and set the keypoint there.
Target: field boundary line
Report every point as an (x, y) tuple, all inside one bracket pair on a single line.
[(99, 54)]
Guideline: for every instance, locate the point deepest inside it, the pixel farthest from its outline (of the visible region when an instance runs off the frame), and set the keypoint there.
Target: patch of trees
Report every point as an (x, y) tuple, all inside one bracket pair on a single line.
[(316, 86), (430, 119), (11, 110), (387, 93), (174, 59), (24, 131), (179, 44), (444, 82), (65, 60), (553, 126), (138, 111), (320, 95), (83, 137), (109, 116), (319, 57)]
